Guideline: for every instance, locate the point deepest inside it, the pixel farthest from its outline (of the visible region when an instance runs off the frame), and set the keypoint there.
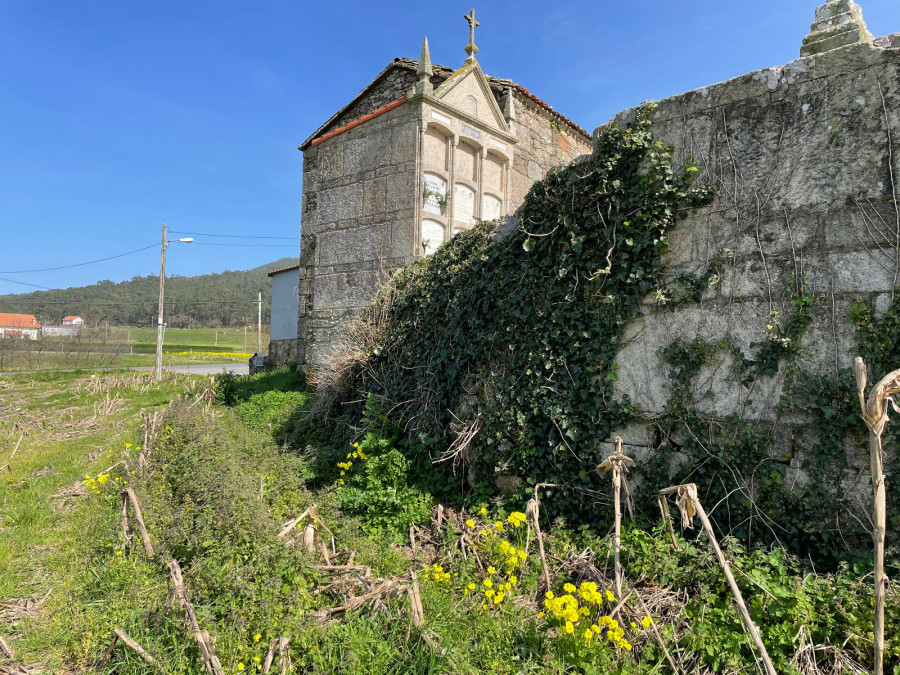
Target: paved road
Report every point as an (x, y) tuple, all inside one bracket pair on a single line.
[(196, 369)]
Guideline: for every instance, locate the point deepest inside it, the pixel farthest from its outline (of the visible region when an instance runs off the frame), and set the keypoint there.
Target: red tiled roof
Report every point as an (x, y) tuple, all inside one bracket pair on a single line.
[(71, 318), (18, 321), (284, 269)]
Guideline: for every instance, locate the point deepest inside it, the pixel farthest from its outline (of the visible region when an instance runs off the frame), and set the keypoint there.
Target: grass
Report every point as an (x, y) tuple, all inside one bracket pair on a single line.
[(218, 487), (230, 338)]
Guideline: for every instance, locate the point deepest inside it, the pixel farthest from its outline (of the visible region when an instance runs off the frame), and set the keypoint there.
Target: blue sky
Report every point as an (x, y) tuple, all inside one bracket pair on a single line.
[(118, 116)]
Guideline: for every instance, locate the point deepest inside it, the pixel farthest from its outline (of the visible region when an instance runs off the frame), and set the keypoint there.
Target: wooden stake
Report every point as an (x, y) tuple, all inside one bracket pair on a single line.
[(126, 528), (124, 637), (667, 517), (618, 463), (6, 649), (140, 521), (415, 602), (875, 415), (533, 515), (691, 491), (283, 653), (270, 655), (213, 667)]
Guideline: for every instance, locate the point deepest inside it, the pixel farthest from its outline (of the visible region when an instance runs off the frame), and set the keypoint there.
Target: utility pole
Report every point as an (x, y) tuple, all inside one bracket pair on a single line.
[(259, 324), (160, 326), (157, 373)]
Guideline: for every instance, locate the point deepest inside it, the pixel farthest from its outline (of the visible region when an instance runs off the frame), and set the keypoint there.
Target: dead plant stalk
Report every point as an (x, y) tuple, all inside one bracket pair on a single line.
[(875, 415)]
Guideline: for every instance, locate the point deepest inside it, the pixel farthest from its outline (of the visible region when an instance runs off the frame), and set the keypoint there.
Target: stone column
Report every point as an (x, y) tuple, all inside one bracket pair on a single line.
[(838, 24)]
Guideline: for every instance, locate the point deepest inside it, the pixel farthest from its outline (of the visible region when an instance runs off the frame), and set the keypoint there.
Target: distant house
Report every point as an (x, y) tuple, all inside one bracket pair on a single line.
[(19, 325), (283, 324), (73, 321)]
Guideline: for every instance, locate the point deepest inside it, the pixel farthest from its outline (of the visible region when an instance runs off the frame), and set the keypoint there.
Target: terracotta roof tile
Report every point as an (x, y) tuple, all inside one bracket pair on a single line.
[(18, 321), (284, 269)]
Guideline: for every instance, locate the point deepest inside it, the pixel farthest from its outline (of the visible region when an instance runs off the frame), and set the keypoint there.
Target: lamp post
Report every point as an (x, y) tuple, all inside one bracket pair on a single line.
[(162, 286)]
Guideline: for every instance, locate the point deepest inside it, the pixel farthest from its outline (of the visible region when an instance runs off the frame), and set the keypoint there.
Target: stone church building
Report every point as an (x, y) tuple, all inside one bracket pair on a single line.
[(420, 154)]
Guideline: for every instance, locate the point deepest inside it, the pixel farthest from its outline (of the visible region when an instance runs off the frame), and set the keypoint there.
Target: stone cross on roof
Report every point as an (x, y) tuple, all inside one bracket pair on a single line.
[(471, 49)]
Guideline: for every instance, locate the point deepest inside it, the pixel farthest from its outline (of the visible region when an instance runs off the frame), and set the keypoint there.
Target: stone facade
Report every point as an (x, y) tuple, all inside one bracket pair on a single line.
[(422, 153), (805, 165)]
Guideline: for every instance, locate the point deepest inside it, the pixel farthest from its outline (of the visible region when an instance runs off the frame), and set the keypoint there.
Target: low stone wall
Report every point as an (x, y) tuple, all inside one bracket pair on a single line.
[(281, 352), (804, 160)]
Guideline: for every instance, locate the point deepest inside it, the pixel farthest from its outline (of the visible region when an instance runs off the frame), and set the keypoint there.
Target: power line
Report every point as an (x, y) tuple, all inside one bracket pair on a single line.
[(204, 243), (22, 283), (233, 236), (91, 303), (81, 264)]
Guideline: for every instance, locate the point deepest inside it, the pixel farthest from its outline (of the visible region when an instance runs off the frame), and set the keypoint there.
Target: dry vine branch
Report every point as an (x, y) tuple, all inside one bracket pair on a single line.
[(688, 501), (875, 415)]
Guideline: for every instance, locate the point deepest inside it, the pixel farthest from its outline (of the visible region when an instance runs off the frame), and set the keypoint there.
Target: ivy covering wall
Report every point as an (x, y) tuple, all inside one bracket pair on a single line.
[(494, 362)]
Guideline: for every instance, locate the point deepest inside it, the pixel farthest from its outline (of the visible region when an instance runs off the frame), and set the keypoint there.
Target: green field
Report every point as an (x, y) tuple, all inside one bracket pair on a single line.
[(127, 347), (222, 479), (232, 339)]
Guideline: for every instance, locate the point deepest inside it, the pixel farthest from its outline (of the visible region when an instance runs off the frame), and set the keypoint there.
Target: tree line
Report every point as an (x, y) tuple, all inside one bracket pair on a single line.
[(208, 300)]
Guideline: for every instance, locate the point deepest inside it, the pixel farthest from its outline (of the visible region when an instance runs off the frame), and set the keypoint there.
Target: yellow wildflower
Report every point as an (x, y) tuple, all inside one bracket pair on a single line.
[(483, 511), (257, 637), (487, 583), (470, 524), (610, 596), (570, 627), (491, 569), (240, 666), (646, 621)]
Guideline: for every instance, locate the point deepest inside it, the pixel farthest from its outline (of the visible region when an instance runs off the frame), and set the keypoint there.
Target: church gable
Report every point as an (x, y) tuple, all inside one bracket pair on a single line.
[(468, 91)]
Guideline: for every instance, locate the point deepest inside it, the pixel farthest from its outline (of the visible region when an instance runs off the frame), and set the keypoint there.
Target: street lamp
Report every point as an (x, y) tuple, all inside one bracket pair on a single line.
[(162, 286)]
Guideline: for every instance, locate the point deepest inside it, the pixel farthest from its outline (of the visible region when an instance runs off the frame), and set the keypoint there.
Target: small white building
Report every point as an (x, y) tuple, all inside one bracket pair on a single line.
[(285, 305), (73, 321), (19, 325)]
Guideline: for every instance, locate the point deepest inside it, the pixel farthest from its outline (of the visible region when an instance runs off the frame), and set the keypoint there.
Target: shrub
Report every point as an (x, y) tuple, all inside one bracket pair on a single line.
[(374, 486)]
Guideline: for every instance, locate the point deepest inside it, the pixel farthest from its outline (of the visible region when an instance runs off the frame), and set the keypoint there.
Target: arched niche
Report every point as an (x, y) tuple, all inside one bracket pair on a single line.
[(465, 162), (491, 207), (463, 203), (432, 236), (434, 150), (434, 196)]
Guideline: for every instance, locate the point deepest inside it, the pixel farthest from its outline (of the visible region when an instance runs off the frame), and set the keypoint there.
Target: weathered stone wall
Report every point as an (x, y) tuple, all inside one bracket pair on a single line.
[(543, 144), (281, 352), (358, 221), (805, 165)]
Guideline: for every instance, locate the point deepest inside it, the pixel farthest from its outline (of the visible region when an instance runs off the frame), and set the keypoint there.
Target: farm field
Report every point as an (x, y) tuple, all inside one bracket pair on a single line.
[(128, 347), (302, 555)]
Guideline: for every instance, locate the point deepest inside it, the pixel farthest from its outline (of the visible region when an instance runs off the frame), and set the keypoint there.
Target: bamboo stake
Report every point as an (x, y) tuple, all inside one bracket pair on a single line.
[(415, 602), (617, 463), (283, 653), (691, 491), (533, 514), (875, 415), (213, 667), (667, 517), (270, 655), (291, 524), (126, 528), (140, 521), (124, 637)]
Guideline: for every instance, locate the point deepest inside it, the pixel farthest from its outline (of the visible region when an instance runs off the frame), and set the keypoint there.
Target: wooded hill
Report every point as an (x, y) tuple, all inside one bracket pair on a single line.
[(208, 300)]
